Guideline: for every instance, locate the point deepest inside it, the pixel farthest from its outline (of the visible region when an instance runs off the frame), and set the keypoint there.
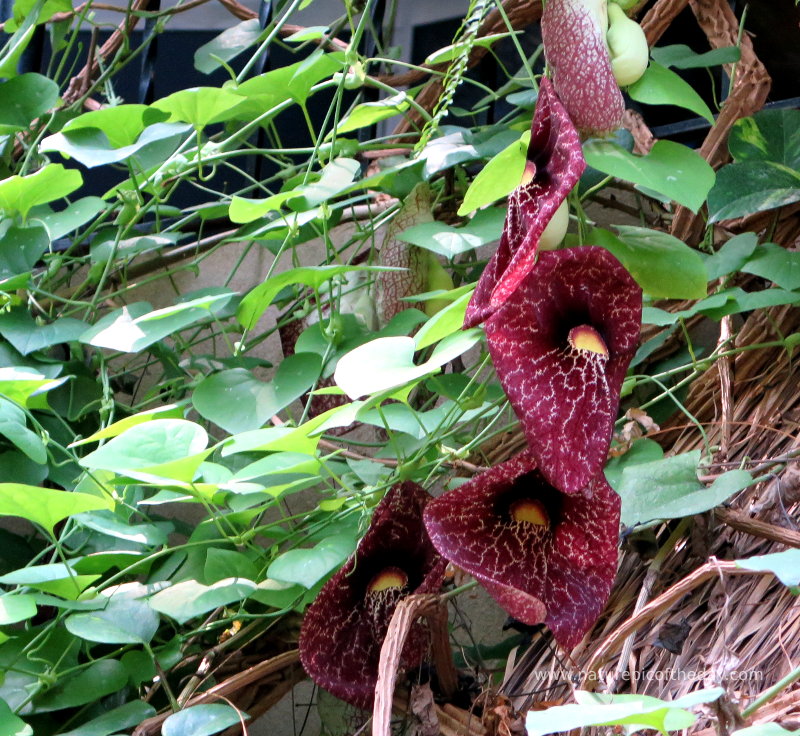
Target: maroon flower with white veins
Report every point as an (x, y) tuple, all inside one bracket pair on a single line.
[(343, 630), (545, 556), (574, 38), (561, 346), (555, 163)]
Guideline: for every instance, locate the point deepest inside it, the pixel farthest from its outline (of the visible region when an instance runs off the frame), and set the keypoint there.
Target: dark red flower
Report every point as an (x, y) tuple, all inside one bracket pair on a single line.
[(574, 37), (343, 630), (555, 163), (542, 554), (561, 346)]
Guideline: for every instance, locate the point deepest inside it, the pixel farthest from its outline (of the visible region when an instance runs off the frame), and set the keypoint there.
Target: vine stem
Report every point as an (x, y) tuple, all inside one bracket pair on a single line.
[(459, 590), (771, 692)]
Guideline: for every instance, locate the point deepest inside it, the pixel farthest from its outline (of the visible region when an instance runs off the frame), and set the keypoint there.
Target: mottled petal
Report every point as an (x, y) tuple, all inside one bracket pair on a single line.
[(555, 163), (560, 573), (344, 628), (561, 346), (573, 33)]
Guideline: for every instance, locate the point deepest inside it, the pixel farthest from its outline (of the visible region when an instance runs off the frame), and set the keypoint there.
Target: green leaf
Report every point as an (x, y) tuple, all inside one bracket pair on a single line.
[(641, 451), (118, 720), (202, 720), (738, 301), (334, 178), (244, 210), (35, 12), (227, 45), (11, 724), (439, 237), (646, 487), (16, 608), (45, 506), (681, 56), (276, 439), (388, 362), (21, 248), (731, 256), (104, 249), (92, 147), (200, 106), (98, 563), (369, 113), (753, 186), (55, 578), (308, 33), (18, 194), (660, 86), (721, 304), (73, 216), (123, 621), (88, 685), (287, 466), (501, 176), (661, 264), (24, 98), (784, 565), (121, 124), (107, 523), (18, 327), (188, 599), (461, 146), (236, 401), (774, 263), (255, 303), (769, 135), (137, 326), (293, 82), (152, 447), (225, 563), (16, 465), (307, 567), (25, 386), (443, 323), (169, 411), (672, 170), (669, 489), (279, 595), (13, 426)]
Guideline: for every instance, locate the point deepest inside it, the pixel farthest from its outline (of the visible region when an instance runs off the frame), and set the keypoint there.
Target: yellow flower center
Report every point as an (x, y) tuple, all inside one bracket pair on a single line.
[(389, 577), (529, 511), (585, 337)]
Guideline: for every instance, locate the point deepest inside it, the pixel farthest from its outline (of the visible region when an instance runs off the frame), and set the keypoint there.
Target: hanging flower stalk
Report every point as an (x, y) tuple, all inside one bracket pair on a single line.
[(544, 555), (590, 59), (344, 628), (561, 346), (555, 163)]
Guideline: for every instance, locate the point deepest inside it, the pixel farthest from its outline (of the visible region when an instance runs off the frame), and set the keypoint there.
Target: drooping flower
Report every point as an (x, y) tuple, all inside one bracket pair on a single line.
[(574, 38), (545, 556), (393, 287), (555, 163), (343, 630), (561, 346)]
